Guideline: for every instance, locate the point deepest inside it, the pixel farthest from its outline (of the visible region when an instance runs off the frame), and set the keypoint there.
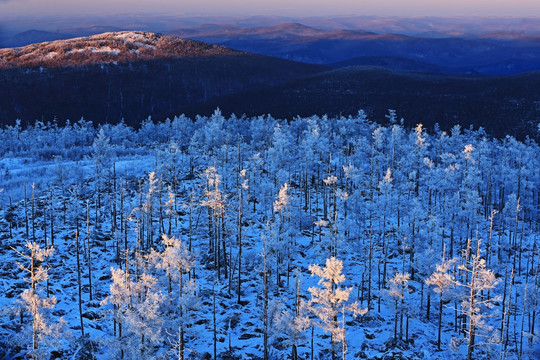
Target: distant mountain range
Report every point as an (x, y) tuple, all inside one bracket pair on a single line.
[(419, 26), (494, 54), (505, 46), (132, 75)]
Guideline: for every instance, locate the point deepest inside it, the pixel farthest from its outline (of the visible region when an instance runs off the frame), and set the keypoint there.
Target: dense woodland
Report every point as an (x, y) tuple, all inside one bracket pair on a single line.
[(259, 238), (254, 84), (502, 105)]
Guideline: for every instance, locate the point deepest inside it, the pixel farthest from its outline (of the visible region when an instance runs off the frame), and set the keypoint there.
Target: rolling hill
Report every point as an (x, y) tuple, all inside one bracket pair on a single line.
[(132, 75), (500, 104), (113, 47), (128, 75)]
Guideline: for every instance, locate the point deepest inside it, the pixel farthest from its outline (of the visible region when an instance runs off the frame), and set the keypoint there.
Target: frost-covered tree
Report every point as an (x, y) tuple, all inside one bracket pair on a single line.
[(475, 304), (292, 326), (176, 260), (241, 186), (277, 244), (443, 282), (330, 300), (103, 155), (214, 200), (43, 330), (149, 206), (280, 157), (136, 311), (398, 285)]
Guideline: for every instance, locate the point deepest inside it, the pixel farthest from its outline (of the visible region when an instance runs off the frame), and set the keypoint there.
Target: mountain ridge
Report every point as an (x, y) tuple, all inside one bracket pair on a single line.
[(492, 52), (129, 76), (109, 47), (486, 54)]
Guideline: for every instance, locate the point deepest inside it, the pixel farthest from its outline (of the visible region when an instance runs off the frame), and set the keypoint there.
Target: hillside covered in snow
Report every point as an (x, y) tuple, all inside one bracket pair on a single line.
[(111, 47), (259, 238)]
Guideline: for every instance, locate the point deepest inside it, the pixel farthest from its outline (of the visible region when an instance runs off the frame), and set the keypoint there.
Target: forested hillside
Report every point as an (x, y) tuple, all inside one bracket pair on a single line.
[(128, 76), (259, 238), (502, 105)]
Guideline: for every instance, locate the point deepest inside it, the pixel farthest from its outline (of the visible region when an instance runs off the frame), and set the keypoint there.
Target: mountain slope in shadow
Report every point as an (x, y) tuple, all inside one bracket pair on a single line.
[(129, 76), (500, 104)]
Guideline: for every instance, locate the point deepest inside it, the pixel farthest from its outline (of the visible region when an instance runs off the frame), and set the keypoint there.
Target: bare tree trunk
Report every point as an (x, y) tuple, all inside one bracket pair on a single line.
[(522, 323), (440, 321), (312, 342), (33, 214), (214, 317), (239, 234), (265, 310), (26, 212), (88, 246), (181, 330), (52, 217), (79, 277)]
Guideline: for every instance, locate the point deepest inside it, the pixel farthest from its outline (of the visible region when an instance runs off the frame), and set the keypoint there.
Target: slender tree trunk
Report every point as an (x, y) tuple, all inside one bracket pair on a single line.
[(214, 318), (88, 246), (312, 341), (240, 215), (33, 214), (26, 212), (52, 217), (522, 323), (395, 318), (265, 309), (181, 330), (79, 278), (440, 321)]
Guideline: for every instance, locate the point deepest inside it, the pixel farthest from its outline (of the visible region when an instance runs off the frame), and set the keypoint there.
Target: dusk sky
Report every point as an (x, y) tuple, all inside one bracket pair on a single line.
[(274, 7)]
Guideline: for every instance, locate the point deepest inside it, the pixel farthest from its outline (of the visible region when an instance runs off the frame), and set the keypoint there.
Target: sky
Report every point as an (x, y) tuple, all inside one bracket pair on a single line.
[(14, 8)]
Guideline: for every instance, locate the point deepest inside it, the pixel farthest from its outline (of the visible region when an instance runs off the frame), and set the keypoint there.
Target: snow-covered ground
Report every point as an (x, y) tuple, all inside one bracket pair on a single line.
[(382, 199)]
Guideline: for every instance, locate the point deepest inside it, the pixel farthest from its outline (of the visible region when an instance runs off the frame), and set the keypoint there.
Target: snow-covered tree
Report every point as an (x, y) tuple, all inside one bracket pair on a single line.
[(177, 261), (136, 305), (398, 285), (475, 305), (330, 300), (43, 331), (292, 326), (443, 282), (214, 200)]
